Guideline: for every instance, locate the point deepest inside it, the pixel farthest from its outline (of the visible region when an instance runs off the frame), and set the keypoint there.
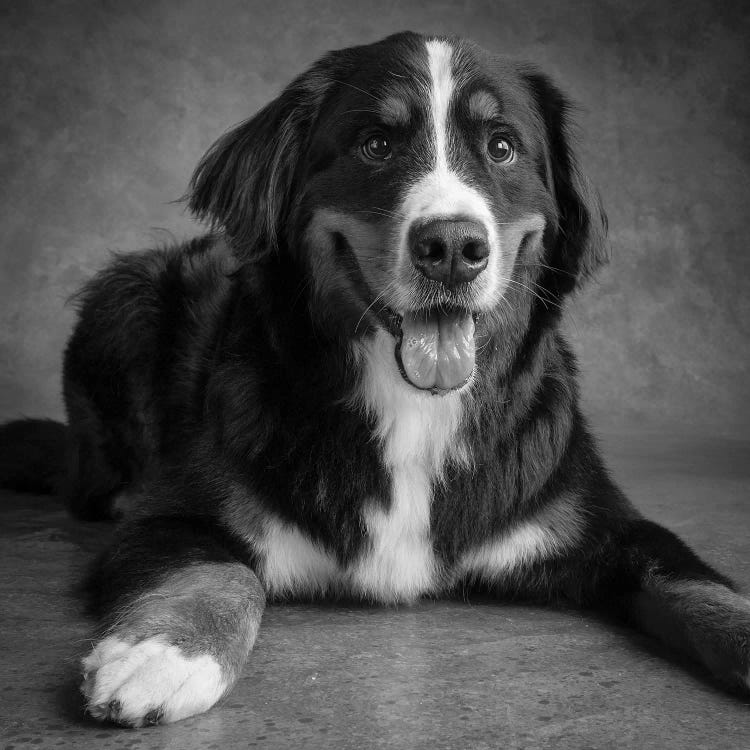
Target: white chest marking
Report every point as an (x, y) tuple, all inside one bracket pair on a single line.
[(417, 432), (418, 435)]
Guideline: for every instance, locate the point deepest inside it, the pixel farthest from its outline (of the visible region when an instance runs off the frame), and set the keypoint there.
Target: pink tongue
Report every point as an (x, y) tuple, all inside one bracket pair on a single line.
[(437, 349)]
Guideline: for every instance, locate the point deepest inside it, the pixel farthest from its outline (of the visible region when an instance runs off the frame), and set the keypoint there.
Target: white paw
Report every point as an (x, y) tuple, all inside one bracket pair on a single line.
[(148, 682)]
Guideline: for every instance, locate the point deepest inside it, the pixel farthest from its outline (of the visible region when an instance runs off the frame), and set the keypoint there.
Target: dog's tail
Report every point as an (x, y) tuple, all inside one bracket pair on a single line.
[(33, 456)]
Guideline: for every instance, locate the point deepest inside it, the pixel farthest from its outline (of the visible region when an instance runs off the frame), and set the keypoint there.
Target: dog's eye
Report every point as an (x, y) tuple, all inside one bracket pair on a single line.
[(377, 147), (500, 149)]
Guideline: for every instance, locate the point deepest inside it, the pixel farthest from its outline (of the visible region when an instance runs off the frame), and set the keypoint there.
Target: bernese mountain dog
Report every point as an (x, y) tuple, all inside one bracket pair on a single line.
[(355, 386)]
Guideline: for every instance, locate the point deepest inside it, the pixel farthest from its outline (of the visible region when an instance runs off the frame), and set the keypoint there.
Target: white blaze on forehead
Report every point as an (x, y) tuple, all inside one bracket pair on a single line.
[(439, 55), (442, 193)]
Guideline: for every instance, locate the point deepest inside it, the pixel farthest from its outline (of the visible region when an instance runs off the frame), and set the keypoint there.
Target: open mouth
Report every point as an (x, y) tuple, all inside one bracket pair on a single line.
[(435, 348)]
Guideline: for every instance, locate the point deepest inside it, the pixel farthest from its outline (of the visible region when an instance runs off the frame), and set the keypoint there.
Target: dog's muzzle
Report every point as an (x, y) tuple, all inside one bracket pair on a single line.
[(435, 348)]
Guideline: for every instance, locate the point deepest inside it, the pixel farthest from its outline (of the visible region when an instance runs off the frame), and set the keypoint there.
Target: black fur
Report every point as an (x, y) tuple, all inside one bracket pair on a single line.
[(216, 380)]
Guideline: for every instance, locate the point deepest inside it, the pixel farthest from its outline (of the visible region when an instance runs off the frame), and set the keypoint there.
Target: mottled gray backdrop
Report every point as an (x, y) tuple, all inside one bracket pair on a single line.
[(107, 106)]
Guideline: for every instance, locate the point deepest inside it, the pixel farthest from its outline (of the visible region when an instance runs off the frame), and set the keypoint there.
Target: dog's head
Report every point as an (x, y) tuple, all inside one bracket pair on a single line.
[(421, 182)]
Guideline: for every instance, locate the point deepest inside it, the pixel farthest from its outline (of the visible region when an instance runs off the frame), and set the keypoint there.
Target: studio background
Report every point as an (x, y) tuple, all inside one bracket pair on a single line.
[(108, 106)]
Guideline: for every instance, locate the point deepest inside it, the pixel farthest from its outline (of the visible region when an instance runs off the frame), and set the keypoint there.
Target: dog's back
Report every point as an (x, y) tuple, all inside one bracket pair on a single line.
[(148, 327)]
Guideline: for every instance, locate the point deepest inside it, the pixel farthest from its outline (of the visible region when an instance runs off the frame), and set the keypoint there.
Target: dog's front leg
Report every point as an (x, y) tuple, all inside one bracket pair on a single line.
[(648, 575), (179, 617), (686, 604)]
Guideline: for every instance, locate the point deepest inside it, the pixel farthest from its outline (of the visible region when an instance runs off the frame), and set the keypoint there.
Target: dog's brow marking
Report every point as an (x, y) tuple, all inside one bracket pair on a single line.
[(394, 111), (482, 106)]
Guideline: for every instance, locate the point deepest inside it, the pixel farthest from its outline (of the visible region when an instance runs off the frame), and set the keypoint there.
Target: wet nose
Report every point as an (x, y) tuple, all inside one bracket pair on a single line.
[(448, 250)]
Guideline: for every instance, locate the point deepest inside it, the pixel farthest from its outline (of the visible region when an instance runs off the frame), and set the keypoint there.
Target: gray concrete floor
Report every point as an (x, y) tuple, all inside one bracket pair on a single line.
[(438, 675)]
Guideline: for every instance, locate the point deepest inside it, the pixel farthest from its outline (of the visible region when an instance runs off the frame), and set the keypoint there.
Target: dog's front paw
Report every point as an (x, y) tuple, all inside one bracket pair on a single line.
[(148, 682)]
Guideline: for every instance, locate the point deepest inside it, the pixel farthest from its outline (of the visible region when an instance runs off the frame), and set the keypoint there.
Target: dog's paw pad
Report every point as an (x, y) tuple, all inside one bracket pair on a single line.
[(148, 682)]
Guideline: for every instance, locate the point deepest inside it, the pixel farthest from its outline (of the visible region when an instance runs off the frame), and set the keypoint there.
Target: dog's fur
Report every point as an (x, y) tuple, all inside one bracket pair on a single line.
[(247, 403)]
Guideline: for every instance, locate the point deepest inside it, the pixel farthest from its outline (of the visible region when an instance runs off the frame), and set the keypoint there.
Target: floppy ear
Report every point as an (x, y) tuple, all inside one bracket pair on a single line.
[(243, 184), (580, 243)]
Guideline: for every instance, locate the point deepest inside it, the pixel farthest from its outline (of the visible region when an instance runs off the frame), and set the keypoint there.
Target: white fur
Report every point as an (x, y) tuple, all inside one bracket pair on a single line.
[(293, 563), (439, 56), (400, 564), (125, 681), (549, 533), (414, 427), (501, 556), (441, 193)]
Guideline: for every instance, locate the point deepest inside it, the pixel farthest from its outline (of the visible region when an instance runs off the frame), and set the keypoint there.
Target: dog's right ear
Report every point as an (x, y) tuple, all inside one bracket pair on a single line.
[(243, 184)]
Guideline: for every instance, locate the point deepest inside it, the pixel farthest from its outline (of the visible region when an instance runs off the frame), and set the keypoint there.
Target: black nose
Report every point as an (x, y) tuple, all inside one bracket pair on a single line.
[(448, 250)]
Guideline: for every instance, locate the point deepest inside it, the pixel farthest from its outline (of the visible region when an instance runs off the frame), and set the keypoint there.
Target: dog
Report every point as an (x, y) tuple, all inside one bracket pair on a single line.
[(355, 386)]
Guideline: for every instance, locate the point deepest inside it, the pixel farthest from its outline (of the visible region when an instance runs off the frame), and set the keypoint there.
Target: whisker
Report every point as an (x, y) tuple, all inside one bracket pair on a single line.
[(369, 111), (357, 88), (544, 300), (302, 288), (369, 307), (381, 212), (545, 265)]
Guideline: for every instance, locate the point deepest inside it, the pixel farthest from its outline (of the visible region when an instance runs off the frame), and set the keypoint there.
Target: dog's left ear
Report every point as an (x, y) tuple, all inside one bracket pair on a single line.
[(580, 244), (243, 184)]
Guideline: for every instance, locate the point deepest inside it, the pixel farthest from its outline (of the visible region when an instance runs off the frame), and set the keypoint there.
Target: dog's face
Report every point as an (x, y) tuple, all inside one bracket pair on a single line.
[(422, 182)]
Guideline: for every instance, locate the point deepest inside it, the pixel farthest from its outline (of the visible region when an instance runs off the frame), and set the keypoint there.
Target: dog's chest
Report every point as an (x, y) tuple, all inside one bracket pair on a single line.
[(417, 434)]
